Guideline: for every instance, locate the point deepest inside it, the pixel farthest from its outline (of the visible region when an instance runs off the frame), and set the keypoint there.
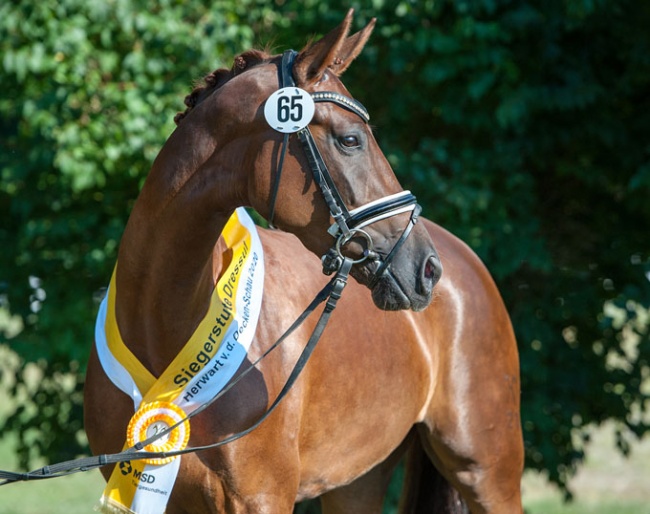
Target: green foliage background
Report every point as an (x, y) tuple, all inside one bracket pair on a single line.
[(522, 126)]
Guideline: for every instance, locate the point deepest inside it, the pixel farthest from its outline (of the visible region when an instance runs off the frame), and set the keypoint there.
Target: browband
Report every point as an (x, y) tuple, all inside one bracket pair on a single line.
[(342, 101)]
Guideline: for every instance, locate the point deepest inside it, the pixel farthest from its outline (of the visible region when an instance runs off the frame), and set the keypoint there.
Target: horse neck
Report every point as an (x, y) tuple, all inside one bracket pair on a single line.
[(169, 258)]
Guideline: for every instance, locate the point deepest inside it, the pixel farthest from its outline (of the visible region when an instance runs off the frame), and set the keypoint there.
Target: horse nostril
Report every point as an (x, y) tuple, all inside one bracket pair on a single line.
[(431, 273), (429, 269)]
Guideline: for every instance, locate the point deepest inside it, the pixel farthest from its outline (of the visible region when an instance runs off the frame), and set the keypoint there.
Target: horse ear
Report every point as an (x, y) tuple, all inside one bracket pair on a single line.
[(335, 51), (352, 48)]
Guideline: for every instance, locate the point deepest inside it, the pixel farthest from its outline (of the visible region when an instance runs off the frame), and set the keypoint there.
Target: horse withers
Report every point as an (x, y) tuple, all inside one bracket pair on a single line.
[(389, 377)]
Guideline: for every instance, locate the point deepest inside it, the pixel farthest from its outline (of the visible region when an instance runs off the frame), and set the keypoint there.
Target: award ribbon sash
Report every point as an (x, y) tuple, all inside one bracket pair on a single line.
[(201, 369)]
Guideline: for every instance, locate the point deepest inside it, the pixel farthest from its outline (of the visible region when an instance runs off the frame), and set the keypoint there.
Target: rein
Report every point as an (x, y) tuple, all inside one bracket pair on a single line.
[(330, 294), (347, 223)]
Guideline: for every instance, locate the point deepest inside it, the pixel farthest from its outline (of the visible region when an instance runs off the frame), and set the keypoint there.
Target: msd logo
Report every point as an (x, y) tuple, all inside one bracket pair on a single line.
[(127, 469)]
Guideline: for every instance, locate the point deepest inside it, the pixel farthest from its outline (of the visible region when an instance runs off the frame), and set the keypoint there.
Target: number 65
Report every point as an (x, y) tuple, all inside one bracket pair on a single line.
[(289, 108)]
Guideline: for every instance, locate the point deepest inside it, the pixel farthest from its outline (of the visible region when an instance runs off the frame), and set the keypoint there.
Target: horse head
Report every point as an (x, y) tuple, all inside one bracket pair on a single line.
[(324, 178)]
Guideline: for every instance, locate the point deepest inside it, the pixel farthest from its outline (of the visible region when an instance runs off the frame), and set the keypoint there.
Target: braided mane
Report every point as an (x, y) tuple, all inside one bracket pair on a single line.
[(219, 77)]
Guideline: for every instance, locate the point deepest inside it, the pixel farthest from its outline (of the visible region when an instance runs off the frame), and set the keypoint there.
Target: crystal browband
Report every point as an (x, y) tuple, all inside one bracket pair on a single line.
[(347, 103)]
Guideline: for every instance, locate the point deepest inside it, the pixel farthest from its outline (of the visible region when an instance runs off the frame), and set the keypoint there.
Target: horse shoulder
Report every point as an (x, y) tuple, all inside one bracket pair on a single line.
[(469, 328)]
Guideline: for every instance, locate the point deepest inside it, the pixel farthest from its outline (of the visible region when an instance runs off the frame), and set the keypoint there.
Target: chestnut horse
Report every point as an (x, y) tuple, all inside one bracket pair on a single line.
[(440, 385)]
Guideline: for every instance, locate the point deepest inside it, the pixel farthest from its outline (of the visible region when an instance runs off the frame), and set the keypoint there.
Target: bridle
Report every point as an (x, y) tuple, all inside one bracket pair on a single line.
[(347, 223)]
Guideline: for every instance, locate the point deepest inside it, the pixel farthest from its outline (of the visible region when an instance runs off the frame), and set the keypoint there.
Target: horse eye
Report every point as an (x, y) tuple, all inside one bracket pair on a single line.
[(349, 141)]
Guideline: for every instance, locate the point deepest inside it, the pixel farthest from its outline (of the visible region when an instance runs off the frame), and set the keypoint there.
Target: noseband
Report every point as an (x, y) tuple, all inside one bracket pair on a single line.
[(347, 223)]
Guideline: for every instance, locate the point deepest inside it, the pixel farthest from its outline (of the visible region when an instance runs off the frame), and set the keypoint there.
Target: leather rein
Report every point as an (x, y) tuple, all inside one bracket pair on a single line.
[(330, 294)]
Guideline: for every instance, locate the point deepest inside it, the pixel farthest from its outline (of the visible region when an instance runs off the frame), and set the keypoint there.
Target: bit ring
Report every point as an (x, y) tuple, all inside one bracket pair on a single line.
[(345, 239)]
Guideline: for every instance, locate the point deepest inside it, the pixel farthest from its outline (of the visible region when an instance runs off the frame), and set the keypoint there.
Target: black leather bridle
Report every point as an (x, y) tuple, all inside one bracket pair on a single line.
[(347, 223)]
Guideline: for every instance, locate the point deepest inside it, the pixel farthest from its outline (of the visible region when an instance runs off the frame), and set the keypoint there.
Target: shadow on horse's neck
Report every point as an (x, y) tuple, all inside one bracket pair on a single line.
[(168, 261)]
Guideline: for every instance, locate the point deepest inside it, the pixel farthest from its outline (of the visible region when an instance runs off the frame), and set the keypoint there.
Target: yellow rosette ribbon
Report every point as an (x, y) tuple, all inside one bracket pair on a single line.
[(153, 419)]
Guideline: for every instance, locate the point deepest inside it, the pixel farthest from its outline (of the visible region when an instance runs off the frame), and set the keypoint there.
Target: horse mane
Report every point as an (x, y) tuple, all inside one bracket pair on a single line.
[(219, 77)]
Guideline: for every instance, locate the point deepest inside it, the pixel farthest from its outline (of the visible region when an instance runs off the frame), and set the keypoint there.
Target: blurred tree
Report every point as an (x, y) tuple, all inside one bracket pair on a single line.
[(522, 126)]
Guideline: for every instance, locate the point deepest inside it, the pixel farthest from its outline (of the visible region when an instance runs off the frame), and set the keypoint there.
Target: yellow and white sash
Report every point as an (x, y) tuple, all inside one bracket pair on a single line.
[(202, 368)]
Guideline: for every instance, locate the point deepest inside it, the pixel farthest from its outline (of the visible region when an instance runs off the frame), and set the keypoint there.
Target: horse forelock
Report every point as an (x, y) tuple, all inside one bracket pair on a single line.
[(219, 77)]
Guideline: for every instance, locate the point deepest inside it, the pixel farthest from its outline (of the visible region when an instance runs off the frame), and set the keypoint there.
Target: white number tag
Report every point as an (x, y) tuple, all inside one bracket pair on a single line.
[(289, 109)]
